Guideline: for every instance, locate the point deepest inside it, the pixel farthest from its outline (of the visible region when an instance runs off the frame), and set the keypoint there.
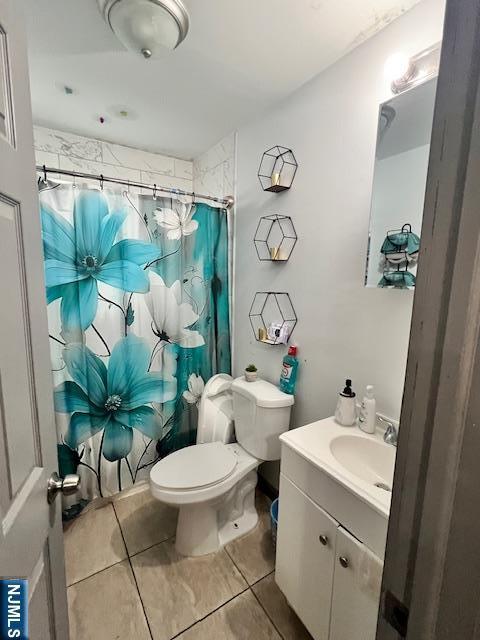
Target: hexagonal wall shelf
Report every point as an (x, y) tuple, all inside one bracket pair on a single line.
[(277, 170), (275, 238), (272, 317)]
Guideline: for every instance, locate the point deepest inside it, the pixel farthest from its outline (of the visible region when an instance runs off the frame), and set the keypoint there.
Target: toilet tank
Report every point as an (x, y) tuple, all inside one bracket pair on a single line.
[(262, 414)]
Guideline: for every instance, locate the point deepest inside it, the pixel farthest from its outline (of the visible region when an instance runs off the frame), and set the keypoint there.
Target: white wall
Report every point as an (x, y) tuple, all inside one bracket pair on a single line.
[(344, 329), (77, 153)]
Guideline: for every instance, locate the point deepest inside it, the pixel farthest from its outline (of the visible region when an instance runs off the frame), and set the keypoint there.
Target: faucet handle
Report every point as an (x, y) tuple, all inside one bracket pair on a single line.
[(386, 422), (391, 435)]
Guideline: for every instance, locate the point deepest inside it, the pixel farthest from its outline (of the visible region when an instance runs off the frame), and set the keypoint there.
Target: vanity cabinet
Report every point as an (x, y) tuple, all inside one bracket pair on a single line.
[(318, 569), (354, 602), (306, 558)]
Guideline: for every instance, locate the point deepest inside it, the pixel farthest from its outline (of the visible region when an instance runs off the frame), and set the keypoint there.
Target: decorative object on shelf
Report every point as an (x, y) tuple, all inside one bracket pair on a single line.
[(251, 373), (400, 249), (275, 238), (272, 317), (277, 169)]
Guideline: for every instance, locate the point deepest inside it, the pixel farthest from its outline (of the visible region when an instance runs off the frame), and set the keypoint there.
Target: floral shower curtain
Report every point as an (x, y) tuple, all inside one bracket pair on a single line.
[(138, 307)]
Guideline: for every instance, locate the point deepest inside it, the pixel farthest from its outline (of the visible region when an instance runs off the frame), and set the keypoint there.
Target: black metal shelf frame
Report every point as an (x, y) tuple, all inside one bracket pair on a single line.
[(272, 317), (277, 169), (275, 238)]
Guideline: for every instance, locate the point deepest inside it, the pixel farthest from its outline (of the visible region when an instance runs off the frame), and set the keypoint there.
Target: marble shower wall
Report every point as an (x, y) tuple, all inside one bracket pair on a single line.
[(72, 152), (214, 170)]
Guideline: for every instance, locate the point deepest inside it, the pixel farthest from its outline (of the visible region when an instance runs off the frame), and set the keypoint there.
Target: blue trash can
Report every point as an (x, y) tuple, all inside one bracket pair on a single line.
[(274, 520)]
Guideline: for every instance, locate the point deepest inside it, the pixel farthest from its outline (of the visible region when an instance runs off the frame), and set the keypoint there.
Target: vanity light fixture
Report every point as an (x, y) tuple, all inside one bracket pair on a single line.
[(405, 72), (148, 27), (399, 68)]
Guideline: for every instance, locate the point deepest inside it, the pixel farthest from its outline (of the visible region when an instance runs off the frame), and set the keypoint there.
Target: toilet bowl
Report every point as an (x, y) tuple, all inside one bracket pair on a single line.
[(213, 482)]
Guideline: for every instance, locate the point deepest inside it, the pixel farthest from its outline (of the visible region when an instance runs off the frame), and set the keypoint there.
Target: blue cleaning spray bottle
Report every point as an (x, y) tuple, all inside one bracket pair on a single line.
[(288, 377)]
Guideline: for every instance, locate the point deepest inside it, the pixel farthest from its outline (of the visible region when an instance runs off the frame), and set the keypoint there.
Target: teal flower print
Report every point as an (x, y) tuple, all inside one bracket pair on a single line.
[(113, 399), (78, 257)]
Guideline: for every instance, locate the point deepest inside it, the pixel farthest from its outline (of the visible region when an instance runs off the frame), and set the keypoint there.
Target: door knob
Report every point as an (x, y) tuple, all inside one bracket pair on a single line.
[(343, 561), (67, 485), (323, 539)]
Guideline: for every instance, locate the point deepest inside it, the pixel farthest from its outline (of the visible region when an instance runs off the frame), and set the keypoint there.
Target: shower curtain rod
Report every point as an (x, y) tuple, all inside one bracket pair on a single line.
[(228, 201)]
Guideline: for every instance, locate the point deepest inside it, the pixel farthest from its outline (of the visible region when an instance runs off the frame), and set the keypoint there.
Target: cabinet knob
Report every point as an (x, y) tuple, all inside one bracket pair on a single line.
[(343, 561), (323, 539)]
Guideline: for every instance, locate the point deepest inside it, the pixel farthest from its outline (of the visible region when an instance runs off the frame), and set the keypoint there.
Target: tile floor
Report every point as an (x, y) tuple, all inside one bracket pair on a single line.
[(126, 581)]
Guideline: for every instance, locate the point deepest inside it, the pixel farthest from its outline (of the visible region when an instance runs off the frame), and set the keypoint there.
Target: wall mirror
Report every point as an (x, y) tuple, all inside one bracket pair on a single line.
[(401, 161)]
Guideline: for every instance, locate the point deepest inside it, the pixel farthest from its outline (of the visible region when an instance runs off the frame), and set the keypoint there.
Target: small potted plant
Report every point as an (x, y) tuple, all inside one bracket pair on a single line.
[(251, 373)]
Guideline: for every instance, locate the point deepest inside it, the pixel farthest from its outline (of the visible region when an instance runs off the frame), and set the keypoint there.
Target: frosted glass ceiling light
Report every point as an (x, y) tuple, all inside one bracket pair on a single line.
[(148, 27)]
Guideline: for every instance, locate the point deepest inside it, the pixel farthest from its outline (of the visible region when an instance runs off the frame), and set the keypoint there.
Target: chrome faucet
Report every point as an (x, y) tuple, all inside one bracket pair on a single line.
[(391, 435)]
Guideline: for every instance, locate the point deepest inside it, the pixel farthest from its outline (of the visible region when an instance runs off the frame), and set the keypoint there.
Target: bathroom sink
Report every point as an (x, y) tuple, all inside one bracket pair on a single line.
[(362, 463), (366, 458), (347, 472)]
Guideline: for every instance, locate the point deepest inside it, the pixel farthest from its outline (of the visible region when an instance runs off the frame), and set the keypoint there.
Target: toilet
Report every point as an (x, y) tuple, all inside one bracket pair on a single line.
[(213, 482)]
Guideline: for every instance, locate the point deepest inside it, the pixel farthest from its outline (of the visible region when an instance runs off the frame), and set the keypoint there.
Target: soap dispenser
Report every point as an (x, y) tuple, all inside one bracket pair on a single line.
[(346, 411), (368, 413)]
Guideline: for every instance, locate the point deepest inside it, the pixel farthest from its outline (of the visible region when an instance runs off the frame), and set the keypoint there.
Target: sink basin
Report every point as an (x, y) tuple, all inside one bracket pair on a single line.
[(370, 460)]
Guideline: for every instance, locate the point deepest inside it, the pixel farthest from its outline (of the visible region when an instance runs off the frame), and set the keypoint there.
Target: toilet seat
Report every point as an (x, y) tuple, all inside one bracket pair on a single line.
[(229, 454), (194, 467)]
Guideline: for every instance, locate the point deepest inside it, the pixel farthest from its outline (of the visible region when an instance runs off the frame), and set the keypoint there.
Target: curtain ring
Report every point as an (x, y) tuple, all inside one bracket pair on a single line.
[(101, 181), (193, 197), (154, 191), (44, 173)]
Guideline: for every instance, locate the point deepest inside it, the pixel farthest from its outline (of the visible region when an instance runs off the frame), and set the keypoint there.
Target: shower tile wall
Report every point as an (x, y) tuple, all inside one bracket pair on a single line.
[(214, 170), (78, 153)]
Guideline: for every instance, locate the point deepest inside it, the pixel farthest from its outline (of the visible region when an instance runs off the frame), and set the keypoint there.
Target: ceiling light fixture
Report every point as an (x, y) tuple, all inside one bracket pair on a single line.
[(149, 27)]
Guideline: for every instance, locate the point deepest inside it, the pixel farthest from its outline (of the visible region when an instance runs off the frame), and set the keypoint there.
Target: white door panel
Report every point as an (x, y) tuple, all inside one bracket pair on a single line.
[(305, 565), (354, 604), (30, 529)]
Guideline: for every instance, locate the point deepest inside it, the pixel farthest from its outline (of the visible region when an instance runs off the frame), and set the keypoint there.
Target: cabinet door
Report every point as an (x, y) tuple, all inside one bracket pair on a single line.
[(305, 558), (356, 590)]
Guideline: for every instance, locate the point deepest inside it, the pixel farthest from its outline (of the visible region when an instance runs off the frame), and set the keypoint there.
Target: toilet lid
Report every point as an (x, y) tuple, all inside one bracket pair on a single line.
[(193, 467)]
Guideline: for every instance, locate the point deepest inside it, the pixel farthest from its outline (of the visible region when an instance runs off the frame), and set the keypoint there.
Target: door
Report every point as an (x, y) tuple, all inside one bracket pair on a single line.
[(305, 558), (431, 581), (30, 533), (356, 590)]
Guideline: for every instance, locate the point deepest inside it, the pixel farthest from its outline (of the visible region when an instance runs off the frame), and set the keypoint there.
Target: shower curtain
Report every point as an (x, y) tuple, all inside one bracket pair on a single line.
[(138, 308)]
